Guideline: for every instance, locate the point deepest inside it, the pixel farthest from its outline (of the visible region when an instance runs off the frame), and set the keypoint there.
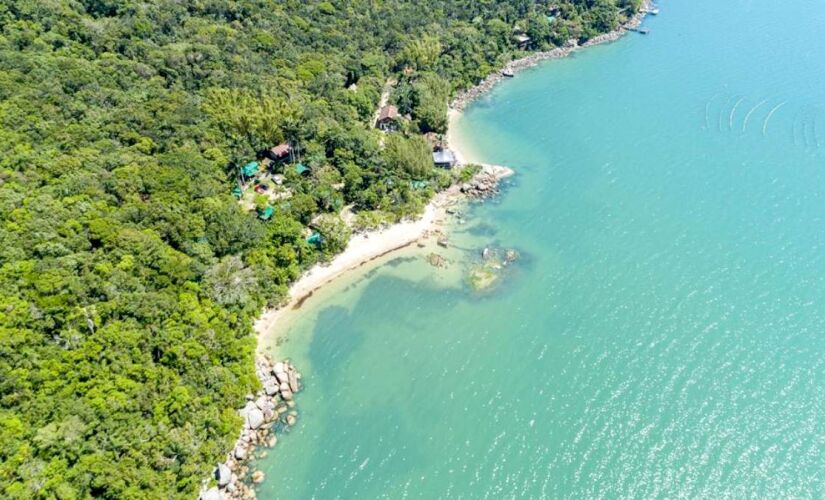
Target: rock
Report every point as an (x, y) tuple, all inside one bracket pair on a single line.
[(240, 452), (293, 381), (254, 418), (290, 420), (511, 256), (284, 386), (282, 377), (485, 254), (442, 242), (258, 476), (272, 441), (211, 494), (287, 395), (271, 387), (278, 368), (263, 403), (281, 409), (223, 474), (437, 260)]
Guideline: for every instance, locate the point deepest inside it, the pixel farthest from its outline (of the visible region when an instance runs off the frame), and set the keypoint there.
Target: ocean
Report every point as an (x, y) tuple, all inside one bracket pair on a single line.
[(662, 333)]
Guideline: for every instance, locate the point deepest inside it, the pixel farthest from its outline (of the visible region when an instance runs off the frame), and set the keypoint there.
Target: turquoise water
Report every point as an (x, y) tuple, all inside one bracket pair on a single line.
[(663, 334)]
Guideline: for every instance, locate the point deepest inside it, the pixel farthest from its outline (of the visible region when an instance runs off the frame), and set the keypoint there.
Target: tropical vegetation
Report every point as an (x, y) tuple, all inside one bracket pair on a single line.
[(129, 274)]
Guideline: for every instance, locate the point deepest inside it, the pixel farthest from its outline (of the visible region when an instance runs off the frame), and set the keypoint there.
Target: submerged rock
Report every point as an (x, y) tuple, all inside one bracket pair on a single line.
[(437, 260), (258, 476)]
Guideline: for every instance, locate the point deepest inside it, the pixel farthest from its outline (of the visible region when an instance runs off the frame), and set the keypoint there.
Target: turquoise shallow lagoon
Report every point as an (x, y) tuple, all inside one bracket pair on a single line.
[(663, 334)]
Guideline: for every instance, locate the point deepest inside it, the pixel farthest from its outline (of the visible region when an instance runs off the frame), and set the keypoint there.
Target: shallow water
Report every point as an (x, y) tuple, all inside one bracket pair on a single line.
[(663, 333)]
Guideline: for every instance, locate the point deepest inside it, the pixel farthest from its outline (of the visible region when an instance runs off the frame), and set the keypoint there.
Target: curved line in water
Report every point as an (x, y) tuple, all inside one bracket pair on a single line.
[(793, 130), (747, 116), (733, 112), (721, 112), (707, 111), (768, 118)]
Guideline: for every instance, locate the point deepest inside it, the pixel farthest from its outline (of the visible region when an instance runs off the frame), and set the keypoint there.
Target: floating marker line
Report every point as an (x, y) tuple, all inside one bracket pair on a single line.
[(747, 116), (707, 111), (732, 112), (768, 118)]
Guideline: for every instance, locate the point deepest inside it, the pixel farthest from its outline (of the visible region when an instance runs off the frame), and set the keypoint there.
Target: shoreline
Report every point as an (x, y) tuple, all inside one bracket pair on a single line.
[(465, 97), (362, 249), (369, 246)]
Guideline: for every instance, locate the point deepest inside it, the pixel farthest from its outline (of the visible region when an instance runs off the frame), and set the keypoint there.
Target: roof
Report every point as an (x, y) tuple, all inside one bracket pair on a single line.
[(388, 113), (443, 156), (250, 169), (522, 38), (314, 239), (300, 169), (266, 213), (280, 150)]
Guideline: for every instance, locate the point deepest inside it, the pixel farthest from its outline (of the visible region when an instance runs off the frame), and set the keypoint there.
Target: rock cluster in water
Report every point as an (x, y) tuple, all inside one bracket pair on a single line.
[(486, 182), (272, 406), (489, 271)]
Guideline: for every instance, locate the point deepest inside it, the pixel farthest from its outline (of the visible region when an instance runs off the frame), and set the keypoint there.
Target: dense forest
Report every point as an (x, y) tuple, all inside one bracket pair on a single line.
[(129, 274)]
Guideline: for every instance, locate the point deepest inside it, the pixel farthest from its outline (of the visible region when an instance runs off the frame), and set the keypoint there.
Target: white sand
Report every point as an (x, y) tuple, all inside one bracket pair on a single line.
[(368, 246), (361, 249)]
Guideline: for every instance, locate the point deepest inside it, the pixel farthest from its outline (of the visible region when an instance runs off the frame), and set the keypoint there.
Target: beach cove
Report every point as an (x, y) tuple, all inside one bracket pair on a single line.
[(661, 334)]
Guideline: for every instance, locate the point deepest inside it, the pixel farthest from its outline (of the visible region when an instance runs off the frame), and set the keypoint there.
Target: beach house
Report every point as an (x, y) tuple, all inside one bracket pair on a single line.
[(388, 118)]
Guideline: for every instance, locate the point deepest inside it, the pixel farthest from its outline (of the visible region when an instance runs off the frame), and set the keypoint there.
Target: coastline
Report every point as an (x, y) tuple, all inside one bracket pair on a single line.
[(368, 247), (362, 249), (372, 245), (465, 97)]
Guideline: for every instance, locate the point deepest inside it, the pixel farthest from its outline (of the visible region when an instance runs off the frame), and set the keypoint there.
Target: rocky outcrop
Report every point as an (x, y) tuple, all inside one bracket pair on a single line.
[(486, 182), (264, 412)]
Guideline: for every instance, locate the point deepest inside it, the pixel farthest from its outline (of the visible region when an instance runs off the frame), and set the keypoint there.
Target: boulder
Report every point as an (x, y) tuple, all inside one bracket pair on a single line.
[(240, 452), (284, 386), (293, 381), (211, 494), (258, 476), (279, 368), (283, 377), (262, 403), (271, 387), (254, 418), (290, 420), (287, 395), (223, 474)]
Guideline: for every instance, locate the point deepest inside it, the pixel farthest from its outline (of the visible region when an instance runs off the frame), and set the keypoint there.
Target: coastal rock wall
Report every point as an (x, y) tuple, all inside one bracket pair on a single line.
[(272, 408)]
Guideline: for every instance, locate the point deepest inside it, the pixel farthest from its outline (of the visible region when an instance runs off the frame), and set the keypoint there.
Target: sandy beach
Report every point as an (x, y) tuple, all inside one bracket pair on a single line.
[(362, 248), (369, 246)]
